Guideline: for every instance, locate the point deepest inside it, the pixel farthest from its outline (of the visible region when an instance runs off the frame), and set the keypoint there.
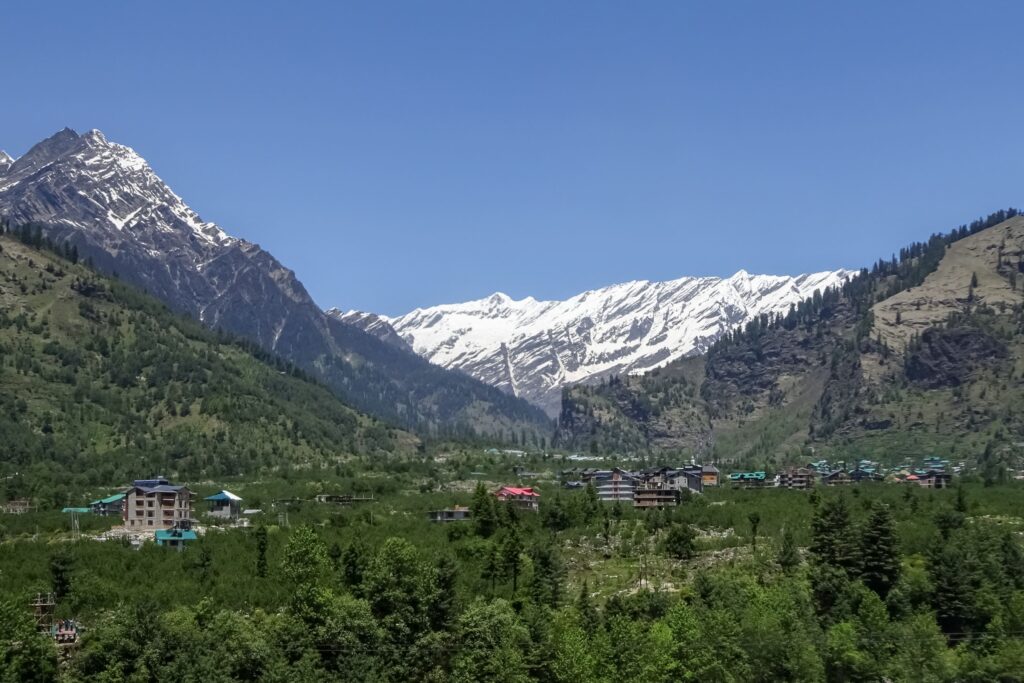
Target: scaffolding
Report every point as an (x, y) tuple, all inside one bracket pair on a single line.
[(43, 606)]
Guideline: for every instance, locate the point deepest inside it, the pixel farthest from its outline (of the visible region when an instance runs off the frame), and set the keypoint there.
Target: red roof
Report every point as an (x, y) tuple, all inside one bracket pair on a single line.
[(913, 477), (513, 491)]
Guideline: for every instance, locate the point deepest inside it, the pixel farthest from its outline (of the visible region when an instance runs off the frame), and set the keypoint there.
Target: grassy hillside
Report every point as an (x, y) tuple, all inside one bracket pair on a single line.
[(100, 383), (917, 355)]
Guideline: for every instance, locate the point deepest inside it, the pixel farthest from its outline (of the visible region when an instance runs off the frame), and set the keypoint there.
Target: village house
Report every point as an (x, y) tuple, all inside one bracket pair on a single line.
[(457, 513), (174, 538), (935, 479), (224, 504), (748, 480), (796, 478), (865, 474), (709, 475), (110, 506), (687, 478), (836, 478), (521, 498), (157, 504), (17, 507)]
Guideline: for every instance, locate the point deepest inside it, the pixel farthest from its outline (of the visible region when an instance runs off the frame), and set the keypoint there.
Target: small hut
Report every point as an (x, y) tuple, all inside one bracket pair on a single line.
[(225, 505)]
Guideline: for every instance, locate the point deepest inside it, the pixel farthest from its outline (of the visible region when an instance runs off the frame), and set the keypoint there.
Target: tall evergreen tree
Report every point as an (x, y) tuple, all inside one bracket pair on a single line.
[(511, 555), (833, 541), (880, 557), (789, 555)]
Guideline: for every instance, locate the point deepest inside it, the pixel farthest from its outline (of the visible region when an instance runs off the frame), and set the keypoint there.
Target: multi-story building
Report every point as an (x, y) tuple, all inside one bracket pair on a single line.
[(797, 478), (655, 496), (157, 504), (614, 485)]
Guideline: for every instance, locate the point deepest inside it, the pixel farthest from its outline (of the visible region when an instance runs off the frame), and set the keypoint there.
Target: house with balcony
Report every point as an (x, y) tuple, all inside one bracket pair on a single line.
[(521, 498), (646, 496), (797, 478), (157, 504), (614, 485)]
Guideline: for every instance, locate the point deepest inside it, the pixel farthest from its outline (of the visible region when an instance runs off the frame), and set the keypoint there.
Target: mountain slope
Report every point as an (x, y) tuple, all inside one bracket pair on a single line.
[(105, 199), (100, 383), (534, 348), (907, 358)]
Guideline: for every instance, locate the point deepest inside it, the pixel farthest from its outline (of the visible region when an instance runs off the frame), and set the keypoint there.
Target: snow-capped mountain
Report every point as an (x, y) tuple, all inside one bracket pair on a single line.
[(105, 199), (533, 348), (371, 323)]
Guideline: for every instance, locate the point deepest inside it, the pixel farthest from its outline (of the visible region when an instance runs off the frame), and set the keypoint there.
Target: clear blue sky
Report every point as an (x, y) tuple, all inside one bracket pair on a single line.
[(401, 154)]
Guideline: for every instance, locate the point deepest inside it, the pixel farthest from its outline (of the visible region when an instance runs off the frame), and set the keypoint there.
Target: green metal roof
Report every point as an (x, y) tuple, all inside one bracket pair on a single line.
[(164, 535), (108, 500), (75, 510)]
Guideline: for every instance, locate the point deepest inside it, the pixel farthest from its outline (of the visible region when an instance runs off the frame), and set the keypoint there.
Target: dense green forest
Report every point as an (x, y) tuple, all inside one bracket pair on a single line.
[(100, 384), (871, 583)]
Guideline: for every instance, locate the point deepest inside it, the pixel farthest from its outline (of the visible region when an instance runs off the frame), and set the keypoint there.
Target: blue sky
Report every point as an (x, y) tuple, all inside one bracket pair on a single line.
[(402, 154)]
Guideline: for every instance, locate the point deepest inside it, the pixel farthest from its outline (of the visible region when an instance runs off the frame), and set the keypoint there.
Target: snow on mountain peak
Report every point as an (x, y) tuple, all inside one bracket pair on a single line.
[(533, 348), (115, 190)]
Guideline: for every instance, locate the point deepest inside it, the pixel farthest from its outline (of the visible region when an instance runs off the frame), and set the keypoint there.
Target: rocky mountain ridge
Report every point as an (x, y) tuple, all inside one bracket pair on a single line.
[(534, 348), (914, 356), (106, 200)]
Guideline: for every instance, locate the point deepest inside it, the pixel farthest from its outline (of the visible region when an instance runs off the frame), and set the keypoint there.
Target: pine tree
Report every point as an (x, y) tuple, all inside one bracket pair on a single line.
[(261, 551), (880, 557), (961, 500), (443, 609), (492, 566), (511, 552), (585, 606), (789, 555), (353, 565), (483, 512), (548, 575), (832, 538), (60, 573)]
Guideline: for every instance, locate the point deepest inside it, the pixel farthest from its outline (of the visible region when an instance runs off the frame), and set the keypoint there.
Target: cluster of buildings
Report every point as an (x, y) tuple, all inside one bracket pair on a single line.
[(163, 508), (653, 487), (522, 498), (933, 472)]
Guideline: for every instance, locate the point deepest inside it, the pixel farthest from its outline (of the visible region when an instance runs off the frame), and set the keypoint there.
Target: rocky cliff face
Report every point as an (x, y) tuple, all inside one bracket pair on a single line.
[(910, 358), (105, 199), (535, 348)]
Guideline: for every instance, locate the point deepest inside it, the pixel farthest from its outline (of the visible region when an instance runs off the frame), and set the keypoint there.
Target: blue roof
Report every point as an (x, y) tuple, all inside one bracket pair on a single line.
[(223, 495), (175, 535)]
